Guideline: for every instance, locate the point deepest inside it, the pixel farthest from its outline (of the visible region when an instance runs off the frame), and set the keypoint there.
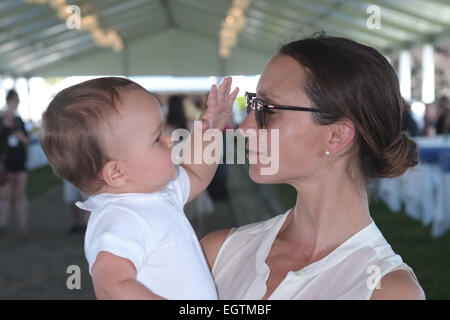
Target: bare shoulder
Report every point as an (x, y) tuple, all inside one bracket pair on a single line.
[(398, 285), (211, 244)]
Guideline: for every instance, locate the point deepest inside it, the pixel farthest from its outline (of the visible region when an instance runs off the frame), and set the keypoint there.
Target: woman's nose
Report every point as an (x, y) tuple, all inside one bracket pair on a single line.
[(248, 123)]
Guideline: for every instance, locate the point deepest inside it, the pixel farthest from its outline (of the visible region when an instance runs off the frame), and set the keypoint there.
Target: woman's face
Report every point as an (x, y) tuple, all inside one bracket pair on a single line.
[(302, 143), (13, 103)]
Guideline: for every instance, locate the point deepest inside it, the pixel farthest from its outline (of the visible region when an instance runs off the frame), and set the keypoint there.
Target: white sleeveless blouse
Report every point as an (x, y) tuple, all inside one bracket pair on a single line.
[(351, 271)]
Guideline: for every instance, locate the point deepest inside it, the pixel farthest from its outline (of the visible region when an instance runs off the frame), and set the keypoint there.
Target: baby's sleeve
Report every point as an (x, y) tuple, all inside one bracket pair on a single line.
[(121, 232), (181, 185)]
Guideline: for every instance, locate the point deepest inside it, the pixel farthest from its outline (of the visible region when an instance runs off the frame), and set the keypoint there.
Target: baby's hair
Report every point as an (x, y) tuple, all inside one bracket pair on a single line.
[(73, 129)]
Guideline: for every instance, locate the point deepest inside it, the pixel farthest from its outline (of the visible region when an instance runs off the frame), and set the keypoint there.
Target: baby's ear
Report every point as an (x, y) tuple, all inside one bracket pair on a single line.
[(113, 174)]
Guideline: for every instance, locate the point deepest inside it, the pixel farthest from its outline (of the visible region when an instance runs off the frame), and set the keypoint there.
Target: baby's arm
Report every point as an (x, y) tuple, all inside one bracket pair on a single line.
[(115, 278), (220, 104)]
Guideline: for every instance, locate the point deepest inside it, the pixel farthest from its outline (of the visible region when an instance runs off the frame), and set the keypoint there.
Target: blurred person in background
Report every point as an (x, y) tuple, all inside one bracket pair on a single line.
[(429, 120), (176, 117), (443, 116), (13, 147), (409, 124)]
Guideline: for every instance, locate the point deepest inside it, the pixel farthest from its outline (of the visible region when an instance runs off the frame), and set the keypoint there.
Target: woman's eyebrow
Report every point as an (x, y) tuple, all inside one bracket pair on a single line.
[(266, 95)]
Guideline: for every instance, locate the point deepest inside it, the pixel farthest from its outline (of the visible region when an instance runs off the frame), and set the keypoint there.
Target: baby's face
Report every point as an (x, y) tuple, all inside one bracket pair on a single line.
[(141, 144)]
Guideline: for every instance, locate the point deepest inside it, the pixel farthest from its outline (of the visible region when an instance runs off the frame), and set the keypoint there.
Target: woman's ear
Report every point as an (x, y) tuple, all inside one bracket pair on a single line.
[(113, 174), (342, 134)]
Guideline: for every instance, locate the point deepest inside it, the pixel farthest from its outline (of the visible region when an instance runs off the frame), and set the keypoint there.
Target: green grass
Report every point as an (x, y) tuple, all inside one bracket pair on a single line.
[(428, 257), (41, 180)]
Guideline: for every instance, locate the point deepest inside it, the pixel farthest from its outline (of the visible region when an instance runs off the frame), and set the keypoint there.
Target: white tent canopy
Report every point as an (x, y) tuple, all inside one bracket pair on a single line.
[(171, 52), (181, 37)]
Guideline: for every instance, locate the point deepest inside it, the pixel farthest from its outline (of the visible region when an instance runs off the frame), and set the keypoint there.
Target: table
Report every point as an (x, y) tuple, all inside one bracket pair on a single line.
[(424, 190), (36, 157)]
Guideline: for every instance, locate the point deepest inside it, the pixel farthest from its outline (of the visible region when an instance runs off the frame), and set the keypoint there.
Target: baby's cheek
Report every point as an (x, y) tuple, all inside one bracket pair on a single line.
[(168, 155), (166, 160)]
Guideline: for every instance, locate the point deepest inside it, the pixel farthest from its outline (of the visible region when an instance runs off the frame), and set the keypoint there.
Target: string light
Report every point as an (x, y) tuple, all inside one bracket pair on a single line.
[(89, 23), (231, 26)]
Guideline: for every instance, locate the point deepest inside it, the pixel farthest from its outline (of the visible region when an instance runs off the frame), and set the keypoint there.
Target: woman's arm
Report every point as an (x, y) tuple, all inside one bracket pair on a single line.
[(115, 278), (22, 137), (211, 244), (398, 285)]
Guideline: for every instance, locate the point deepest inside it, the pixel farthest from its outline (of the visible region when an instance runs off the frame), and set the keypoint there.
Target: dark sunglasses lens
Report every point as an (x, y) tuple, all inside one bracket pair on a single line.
[(259, 114), (252, 103), (260, 117), (248, 102)]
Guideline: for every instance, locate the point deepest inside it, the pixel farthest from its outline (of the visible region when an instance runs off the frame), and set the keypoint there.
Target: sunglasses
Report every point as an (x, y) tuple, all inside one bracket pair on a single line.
[(262, 109)]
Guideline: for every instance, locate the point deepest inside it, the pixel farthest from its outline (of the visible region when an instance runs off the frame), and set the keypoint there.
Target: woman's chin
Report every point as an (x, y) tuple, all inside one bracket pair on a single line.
[(255, 173)]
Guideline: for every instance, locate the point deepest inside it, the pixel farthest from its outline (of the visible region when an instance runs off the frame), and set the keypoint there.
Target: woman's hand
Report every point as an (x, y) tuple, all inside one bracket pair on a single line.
[(220, 106), (21, 136)]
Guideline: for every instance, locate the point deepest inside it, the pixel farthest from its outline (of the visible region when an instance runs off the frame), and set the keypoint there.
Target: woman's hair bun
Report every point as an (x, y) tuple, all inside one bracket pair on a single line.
[(397, 157)]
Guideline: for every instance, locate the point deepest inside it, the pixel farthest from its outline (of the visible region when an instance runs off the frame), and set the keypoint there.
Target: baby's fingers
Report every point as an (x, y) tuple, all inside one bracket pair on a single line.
[(224, 88), (234, 94), (212, 97), (229, 85)]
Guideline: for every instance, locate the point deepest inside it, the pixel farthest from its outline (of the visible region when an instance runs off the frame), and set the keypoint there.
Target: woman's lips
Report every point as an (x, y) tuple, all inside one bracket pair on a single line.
[(251, 151), (253, 154)]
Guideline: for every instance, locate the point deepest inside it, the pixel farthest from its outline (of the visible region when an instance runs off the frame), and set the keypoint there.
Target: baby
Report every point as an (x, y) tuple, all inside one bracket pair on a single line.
[(106, 136)]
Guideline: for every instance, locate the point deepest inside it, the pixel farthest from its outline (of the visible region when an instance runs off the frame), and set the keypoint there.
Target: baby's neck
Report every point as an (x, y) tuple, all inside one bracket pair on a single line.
[(127, 189)]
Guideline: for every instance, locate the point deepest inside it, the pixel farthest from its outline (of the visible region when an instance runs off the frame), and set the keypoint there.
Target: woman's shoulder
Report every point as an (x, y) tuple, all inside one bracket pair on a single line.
[(211, 244), (398, 285), (380, 266)]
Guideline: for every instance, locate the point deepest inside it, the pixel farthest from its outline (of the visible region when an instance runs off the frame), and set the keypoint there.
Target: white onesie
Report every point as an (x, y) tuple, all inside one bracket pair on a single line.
[(152, 231)]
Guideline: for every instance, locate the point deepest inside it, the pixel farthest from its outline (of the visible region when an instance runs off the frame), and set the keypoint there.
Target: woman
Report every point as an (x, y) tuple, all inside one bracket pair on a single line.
[(348, 132), (14, 143), (443, 120)]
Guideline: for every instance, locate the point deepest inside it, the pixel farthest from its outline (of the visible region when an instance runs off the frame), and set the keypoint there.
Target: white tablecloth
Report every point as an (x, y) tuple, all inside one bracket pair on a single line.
[(36, 157), (424, 190)]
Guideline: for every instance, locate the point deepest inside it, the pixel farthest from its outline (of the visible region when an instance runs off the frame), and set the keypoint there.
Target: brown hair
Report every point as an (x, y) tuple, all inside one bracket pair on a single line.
[(349, 80), (71, 134), (12, 94)]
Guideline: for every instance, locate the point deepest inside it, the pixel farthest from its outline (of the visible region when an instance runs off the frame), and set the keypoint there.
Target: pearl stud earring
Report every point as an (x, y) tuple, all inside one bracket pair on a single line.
[(327, 153)]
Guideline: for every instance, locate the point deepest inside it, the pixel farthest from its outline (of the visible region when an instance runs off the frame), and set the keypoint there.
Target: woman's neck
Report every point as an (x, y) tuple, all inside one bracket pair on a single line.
[(328, 211), (10, 111)]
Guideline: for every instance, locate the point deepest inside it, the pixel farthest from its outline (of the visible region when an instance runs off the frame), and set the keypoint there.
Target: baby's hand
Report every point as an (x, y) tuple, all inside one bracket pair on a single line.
[(220, 105)]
